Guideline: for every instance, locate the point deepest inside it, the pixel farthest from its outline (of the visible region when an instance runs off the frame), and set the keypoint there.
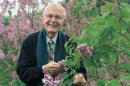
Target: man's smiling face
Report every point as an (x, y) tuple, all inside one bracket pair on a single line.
[(53, 18)]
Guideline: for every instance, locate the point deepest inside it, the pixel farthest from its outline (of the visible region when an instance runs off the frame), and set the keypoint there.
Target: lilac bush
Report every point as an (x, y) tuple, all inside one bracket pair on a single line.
[(16, 22)]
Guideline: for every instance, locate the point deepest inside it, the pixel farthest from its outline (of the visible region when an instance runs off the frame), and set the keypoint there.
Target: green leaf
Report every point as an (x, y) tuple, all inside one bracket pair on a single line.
[(125, 12), (126, 66), (107, 8), (124, 78), (16, 82), (91, 13), (72, 72), (67, 82), (101, 82), (65, 75), (111, 21), (69, 63), (77, 8), (113, 83), (5, 20), (93, 34)]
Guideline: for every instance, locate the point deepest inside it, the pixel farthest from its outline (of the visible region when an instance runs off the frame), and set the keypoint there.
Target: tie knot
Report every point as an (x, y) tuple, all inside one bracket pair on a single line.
[(51, 42)]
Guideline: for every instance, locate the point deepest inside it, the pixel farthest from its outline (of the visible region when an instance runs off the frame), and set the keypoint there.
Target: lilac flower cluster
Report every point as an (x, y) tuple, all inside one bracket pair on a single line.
[(84, 49), (25, 2), (50, 81)]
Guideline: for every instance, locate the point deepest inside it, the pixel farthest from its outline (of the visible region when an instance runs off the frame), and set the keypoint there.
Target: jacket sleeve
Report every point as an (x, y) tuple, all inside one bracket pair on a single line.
[(82, 70), (27, 69)]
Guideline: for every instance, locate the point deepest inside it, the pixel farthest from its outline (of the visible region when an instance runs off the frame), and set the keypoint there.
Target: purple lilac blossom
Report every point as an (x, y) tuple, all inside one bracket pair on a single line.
[(84, 49)]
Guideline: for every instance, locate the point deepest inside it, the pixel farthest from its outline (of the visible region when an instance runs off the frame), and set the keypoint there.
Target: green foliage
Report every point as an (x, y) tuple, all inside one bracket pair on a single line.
[(126, 66), (72, 63), (77, 8), (113, 83), (7, 46), (125, 13), (127, 77), (85, 8), (109, 35), (7, 75), (108, 8), (5, 20), (101, 82)]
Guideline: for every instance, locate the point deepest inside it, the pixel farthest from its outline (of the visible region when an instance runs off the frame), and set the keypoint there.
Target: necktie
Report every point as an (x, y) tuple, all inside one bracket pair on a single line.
[(51, 50)]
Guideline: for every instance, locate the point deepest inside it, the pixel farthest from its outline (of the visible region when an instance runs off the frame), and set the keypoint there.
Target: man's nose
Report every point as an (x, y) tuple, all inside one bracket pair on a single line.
[(53, 19)]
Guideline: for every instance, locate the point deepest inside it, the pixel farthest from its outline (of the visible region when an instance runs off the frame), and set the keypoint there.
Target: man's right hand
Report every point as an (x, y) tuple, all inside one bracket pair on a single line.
[(52, 67)]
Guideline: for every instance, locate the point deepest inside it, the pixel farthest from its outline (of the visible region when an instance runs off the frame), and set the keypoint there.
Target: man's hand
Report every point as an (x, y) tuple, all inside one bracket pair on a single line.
[(52, 67), (79, 79)]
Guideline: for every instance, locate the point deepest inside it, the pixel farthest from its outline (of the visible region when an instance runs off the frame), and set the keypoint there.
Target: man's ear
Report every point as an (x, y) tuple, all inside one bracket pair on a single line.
[(43, 17)]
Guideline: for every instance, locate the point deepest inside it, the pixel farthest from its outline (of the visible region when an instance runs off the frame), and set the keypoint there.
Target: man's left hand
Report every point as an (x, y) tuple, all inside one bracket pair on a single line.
[(79, 79)]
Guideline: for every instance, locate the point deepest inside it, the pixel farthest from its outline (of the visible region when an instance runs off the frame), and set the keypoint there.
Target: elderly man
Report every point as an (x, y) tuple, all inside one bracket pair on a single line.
[(42, 50)]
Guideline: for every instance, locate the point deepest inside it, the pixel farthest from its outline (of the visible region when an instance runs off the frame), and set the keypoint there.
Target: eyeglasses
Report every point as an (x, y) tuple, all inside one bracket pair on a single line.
[(57, 17)]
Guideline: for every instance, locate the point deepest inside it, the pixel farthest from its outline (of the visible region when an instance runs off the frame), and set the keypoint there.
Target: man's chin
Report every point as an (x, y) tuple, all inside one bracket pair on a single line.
[(52, 30)]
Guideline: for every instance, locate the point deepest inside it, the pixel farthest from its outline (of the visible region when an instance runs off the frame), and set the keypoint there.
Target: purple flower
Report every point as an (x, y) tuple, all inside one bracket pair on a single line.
[(11, 36), (11, 1), (50, 81), (25, 2), (84, 49)]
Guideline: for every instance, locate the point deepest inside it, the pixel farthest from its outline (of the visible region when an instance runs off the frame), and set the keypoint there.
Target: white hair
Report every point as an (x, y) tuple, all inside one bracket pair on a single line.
[(45, 9)]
